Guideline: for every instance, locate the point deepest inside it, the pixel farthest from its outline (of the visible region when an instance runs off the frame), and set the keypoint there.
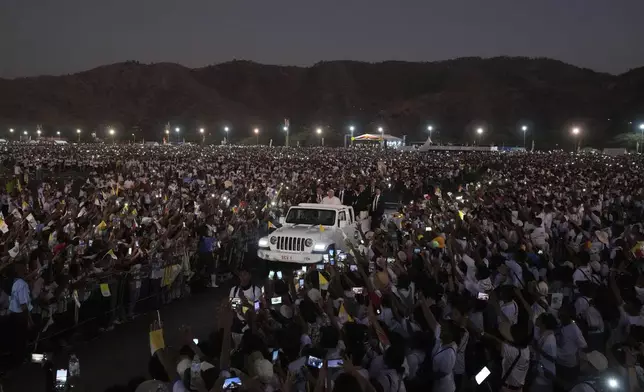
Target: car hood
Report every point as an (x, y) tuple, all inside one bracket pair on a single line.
[(307, 231)]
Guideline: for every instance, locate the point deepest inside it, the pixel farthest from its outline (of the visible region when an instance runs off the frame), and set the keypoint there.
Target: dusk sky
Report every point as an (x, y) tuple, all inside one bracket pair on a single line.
[(66, 36)]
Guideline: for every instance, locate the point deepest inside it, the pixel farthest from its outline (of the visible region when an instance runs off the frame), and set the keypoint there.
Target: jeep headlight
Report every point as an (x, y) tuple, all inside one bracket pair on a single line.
[(319, 247), (273, 240), (308, 242), (263, 242)]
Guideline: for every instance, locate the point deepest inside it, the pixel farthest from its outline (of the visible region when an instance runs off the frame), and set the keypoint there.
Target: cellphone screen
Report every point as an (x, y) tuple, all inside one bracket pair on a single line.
[(482, 375), (232, 383), (417, 250), (335, 363), (129, 251), (314, 362), (276, 354), (320, 267), (353, 267), (37, 358), (256, 305), (304, 269), (271, 275), (483, 296), (358, 290), (301, 282), (279, 274), (236, 302), (276, 300), (61, 376), (195, 341)]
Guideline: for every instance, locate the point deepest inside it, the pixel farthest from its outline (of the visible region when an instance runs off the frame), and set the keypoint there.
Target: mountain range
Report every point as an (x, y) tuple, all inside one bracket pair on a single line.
[(457, 96)]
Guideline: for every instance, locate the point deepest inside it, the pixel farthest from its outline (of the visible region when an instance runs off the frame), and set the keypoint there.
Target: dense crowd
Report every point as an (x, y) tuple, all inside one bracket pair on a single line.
[(499, 271)]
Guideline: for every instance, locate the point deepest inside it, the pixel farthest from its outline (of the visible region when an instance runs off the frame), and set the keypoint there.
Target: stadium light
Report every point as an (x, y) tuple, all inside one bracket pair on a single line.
[(430, 128), (226, 129), (25, 132), (380, 129), (177, 129), (319, 131), (524, 128), (352, 128), (201, 130), (576, 131), (641, 127), (479, 130), (285, 128), (58, 133), (112, 132), (11, 130), (38, 132), (256, 130)]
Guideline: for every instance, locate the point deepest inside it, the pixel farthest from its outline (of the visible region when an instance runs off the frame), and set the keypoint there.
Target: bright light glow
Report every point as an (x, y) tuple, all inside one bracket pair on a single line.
[(78, 131), (479, 130), (430, 128), (201, 130), (319, 131), (176, 129), (319, 247), (58, 133), (285, 128), (575, 131), (11, 130), (167, 131), (25, 132), (641, 127), (352, 128), (612, 383), (225, 129), (524, 128), (112, 132), (256, 131), (38, 132), (380, 129)]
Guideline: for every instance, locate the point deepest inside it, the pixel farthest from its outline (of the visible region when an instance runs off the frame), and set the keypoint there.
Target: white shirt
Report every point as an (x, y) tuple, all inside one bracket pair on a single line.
[(509, 354), (583, 274), (547, 344), (331, 200), (569, 341), (443, 361), (19, 296), (511, 311)]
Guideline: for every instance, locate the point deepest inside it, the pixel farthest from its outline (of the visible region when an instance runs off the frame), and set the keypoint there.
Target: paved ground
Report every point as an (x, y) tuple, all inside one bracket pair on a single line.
[(117, 356)]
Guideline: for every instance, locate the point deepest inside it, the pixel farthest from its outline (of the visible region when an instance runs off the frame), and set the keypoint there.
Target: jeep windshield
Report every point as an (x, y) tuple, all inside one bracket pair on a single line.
[(307, 216)]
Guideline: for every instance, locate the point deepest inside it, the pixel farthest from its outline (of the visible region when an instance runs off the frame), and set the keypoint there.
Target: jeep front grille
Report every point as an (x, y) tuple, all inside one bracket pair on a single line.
[(290, 243)]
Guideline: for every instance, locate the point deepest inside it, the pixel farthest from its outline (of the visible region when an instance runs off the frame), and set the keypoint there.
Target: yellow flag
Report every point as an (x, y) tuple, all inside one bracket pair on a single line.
[(134, 212), (324, 284), (322, 229), (271, 225), (105, 290), (343, 315), (25, 205), (111, 253), (461, 214), (102, 225)]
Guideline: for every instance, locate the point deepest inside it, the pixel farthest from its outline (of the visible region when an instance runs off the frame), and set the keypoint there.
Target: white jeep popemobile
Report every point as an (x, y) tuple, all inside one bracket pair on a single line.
[(309, 232)]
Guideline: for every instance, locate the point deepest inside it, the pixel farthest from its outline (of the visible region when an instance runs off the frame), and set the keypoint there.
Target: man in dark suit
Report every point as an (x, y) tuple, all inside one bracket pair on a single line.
[(317, 196), (376, 209), (346, 195)]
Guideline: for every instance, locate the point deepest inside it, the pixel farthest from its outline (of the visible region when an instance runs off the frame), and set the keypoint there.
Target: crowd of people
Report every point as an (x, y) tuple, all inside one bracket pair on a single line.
[(499, 271)]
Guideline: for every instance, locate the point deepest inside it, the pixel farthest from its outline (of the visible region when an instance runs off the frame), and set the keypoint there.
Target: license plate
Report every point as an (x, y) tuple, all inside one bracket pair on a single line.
[(287, 258)]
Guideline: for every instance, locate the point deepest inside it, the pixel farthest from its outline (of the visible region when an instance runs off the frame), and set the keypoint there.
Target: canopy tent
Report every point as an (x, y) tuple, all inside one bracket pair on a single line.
[(376, 138), (427, 145)]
